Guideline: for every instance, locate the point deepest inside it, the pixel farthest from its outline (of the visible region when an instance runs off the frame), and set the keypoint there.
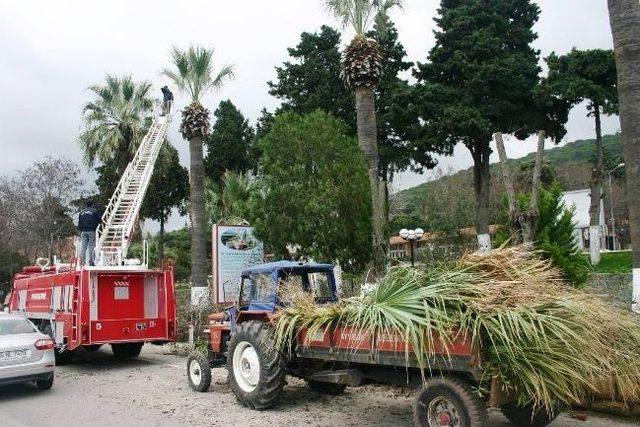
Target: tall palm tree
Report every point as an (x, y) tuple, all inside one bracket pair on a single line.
[(361, 71), (625, 26), (193, 73), (115, 120)]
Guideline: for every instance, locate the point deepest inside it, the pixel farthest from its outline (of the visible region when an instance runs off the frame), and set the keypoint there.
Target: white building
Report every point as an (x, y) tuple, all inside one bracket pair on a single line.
[(580, 200)]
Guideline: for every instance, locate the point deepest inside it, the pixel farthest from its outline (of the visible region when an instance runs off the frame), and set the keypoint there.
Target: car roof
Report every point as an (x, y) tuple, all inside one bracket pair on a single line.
[(289, 266)]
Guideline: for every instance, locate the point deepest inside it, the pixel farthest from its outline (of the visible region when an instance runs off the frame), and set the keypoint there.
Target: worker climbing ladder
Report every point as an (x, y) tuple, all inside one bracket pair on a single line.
[(114, 233)]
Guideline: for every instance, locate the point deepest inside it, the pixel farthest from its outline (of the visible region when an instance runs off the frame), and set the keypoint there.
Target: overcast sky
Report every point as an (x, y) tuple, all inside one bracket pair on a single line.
[(50, 51)]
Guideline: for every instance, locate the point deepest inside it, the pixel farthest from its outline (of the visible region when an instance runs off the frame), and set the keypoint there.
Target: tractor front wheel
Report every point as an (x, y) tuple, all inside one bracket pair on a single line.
[(199, 372), (256, 368), (448, 401)]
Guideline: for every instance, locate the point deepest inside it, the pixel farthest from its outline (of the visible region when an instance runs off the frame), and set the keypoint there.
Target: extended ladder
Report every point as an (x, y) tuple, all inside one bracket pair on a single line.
[(114, 233)]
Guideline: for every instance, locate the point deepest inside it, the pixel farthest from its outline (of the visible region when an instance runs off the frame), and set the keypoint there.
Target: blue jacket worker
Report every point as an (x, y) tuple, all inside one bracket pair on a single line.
[(167, 100), (88, 221)]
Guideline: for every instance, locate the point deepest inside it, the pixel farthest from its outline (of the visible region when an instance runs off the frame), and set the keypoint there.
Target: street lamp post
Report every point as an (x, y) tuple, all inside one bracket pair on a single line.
[(613, 218), (411, 236)]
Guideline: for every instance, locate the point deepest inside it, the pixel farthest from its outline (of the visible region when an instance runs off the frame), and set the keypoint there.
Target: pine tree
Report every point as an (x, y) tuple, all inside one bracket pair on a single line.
[(479, 80), (311, 79), (229, 144)]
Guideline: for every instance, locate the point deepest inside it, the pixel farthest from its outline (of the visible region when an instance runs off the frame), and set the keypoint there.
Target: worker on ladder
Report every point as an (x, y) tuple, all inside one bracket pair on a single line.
[(167, 100), (88, 221)]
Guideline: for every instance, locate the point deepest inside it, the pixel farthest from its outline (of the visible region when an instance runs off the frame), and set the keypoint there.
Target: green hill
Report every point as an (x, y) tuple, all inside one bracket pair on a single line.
[(579, 151), (449, 202)]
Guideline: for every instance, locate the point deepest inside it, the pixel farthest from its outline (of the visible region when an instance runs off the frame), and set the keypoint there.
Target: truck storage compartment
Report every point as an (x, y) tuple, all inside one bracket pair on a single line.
[(129, 306)]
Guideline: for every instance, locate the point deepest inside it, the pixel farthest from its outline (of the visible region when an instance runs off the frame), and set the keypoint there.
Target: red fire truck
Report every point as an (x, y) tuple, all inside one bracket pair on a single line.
[(87, 307), (119, 301)]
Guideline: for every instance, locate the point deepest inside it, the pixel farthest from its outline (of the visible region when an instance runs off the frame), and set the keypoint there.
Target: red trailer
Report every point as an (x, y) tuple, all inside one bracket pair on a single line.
[(124, 306)]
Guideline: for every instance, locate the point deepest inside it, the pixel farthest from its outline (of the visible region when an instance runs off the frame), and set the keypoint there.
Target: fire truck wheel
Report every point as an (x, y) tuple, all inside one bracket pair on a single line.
[(198, 372), (62, 357), (92, 348), (45, 384), (524, 416), (126, 350), (256, 369), (326, 388), (448, 401), (135, 348)]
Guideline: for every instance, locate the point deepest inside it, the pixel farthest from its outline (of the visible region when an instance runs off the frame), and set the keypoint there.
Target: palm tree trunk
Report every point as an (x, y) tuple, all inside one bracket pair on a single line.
[(596, 193), (515, 216), (625, 26), (535, 188), (198, 240), (367, 138)]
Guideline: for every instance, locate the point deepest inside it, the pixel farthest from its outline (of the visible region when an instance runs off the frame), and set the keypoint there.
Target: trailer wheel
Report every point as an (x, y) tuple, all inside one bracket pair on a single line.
[(256, 368), (326, 388), (199, 372), (524, 416), (448, 401)]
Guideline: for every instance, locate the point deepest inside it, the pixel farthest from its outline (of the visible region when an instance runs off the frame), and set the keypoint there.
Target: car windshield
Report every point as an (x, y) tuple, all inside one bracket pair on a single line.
[(15, 326)]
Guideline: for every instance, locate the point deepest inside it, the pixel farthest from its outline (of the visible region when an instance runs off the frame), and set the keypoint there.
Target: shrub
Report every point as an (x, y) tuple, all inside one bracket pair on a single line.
[(554, 236)]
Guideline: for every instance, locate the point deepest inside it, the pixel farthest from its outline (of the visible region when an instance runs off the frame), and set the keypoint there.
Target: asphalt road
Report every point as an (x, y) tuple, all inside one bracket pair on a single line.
[(98, 390)]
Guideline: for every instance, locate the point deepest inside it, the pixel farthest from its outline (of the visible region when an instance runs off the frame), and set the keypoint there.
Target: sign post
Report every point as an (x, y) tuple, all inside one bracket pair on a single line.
[(234, 249)]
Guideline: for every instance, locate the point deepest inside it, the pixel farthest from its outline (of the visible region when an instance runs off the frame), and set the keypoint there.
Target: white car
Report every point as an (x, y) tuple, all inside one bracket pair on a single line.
[(26, 354)]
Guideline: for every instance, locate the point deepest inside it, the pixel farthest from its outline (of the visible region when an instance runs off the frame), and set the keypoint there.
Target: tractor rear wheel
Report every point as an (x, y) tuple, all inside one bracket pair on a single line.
[(448, 401), (326, 388), (198, 372), (256, 368), (524, 416)]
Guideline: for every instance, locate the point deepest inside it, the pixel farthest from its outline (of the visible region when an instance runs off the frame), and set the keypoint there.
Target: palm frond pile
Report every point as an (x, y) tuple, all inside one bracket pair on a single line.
[(545, 341)]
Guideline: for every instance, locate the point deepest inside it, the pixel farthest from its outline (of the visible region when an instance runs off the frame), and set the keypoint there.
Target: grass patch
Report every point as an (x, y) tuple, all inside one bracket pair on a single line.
[(615, 263)]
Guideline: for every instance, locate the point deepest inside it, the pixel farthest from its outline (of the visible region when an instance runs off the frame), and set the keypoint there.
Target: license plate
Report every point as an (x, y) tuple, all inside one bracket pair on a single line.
[(13, 354)]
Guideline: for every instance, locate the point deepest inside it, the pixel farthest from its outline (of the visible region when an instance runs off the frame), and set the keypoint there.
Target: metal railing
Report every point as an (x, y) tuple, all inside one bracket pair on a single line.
[(117, 222)]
